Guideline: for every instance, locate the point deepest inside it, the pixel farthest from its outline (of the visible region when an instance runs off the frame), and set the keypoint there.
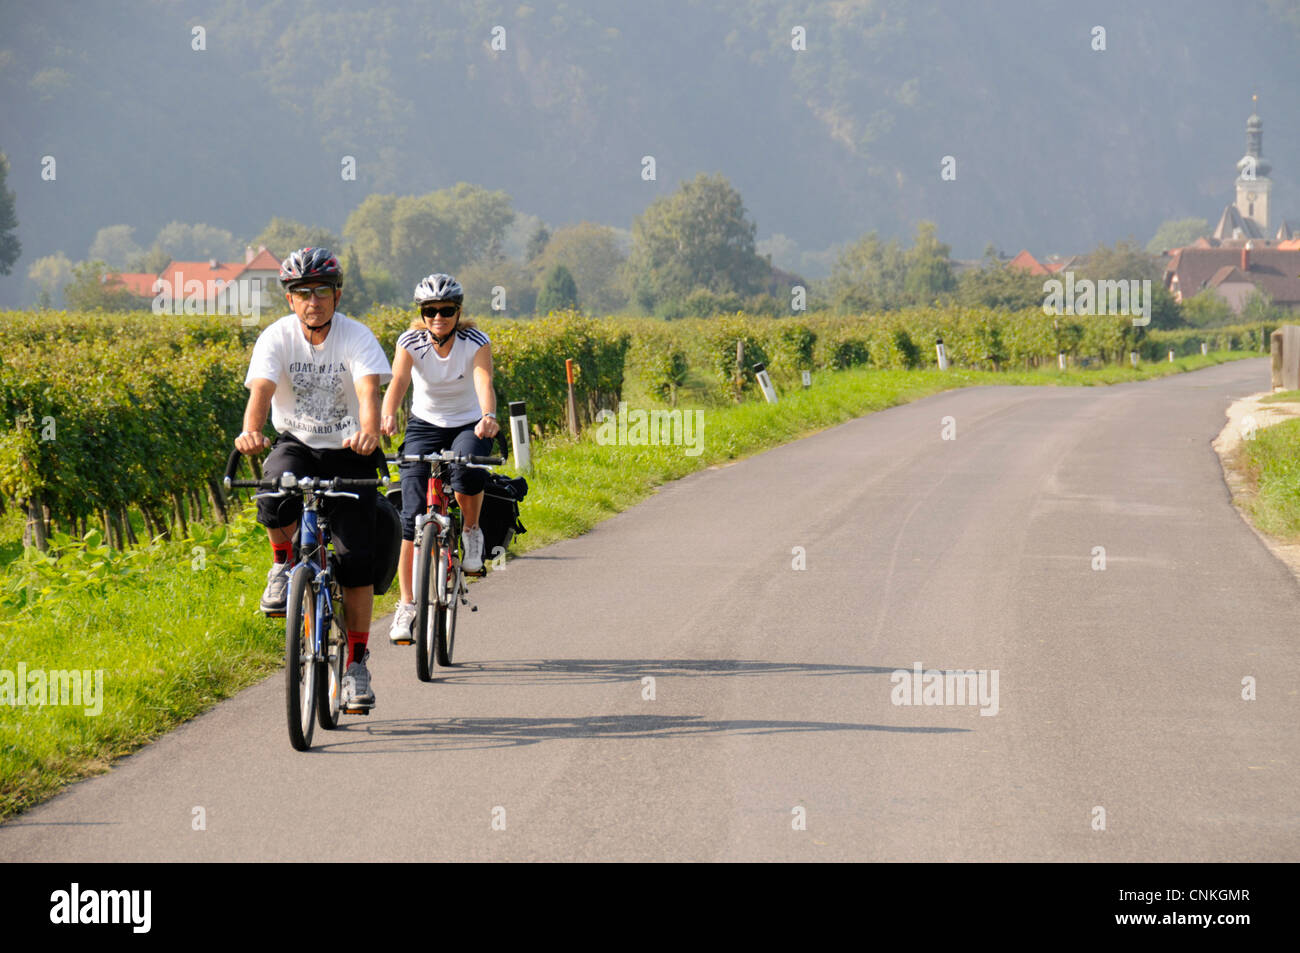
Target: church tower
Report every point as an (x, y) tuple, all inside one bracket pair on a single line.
[(1253, 183)]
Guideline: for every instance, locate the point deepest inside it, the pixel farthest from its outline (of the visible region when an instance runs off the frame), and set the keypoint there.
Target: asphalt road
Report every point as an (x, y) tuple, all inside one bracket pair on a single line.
[(1117, 688)]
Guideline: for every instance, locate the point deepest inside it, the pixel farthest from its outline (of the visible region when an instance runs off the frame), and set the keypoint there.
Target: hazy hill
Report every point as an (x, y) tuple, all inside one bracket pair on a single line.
[(1058, 147)]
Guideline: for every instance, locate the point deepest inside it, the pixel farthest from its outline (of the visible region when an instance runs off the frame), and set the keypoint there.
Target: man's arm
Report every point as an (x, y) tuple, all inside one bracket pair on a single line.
[(252, 440), (365, 440)]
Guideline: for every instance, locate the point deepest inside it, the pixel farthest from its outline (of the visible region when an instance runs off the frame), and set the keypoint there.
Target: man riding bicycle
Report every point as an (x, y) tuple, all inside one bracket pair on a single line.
[(453, 407), (319, 373)]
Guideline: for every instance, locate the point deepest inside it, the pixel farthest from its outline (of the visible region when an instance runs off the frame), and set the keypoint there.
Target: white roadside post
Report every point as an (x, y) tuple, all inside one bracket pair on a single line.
[(1171, 355), (1060, 360), (1133, 358), (807, 379), (765, 382), (1204, 349), (943, 354), (519, 437)]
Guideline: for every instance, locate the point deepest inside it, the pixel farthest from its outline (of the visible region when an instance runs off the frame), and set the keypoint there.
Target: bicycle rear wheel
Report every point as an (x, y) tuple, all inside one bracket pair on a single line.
[(428, 618), (329, 684), (446, 644), (300, 676)]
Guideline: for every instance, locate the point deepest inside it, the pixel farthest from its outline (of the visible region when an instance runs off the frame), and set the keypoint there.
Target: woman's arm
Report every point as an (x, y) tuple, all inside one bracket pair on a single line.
[(396, 391), (487, 398)]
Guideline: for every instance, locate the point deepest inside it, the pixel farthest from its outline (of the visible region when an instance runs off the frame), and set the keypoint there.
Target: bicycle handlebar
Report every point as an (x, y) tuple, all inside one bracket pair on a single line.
[(324, 484), (449, 456)]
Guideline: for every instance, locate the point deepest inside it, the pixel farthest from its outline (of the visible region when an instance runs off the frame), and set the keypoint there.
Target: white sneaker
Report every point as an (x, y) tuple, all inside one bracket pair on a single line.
[(357, 692), (403, 618), (473, 540)]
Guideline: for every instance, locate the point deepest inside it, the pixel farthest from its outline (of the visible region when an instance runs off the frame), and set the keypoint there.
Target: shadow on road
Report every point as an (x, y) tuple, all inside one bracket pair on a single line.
[(428, 734), (589, 671)]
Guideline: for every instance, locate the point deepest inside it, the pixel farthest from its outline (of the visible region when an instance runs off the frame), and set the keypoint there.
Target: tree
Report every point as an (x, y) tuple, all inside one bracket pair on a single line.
[(1207, 309), (151, 262), (481, 280), (1259, 307), (369, 230), (698, 237), (537, 243), (929, 270), (115, 246), (196, 242), (283, 236), (591, 254), (356, 296), (50, 274), (90, 289), (559, 291), (869, 276), (1176, 233), (412, 236), (10, 246), (1122, 261), (994, 285)]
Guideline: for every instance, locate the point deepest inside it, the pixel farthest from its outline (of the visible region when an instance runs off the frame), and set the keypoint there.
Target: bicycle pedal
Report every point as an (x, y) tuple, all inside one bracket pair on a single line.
[(273, 615), (405, 642), (356, 711)]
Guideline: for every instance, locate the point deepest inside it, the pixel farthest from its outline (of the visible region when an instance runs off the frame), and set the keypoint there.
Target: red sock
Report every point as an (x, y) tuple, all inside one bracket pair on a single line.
[(357, 645), (282, 552)]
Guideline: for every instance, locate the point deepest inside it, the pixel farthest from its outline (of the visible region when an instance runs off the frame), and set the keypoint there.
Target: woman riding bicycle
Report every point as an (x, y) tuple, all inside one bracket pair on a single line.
[(453, 407)]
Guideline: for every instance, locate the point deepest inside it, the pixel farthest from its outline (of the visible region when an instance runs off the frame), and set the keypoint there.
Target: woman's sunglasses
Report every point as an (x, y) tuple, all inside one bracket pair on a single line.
[(446, 311)]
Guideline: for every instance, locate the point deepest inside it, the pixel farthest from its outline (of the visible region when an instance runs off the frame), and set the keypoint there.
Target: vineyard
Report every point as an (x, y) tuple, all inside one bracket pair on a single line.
[(125, 419)]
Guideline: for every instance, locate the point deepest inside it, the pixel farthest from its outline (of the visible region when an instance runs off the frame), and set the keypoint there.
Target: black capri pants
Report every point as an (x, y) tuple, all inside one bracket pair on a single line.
[(424, 437), (352, 522)]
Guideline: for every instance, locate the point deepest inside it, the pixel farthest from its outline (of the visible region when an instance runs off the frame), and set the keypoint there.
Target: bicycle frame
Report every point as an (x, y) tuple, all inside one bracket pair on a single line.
[(313, 535)]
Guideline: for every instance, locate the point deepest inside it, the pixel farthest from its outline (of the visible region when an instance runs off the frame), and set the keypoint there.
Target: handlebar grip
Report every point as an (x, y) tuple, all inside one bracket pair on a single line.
[(487, 461), (348, 484), (231, 466)]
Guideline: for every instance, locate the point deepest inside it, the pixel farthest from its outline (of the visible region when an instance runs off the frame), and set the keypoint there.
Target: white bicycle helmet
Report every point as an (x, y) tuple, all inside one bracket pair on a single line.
[(439, 287)]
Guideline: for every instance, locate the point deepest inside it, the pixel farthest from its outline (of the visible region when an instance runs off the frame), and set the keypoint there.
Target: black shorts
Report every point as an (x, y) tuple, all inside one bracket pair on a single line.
[(424, 437), (352, 522)]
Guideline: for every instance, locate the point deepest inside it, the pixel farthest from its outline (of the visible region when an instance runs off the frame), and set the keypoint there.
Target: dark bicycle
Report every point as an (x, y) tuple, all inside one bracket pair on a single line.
[(315, 640), (439, 579)]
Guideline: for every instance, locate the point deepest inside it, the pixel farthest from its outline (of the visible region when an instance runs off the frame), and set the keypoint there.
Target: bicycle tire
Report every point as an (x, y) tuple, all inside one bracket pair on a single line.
[(300, 677), (446, 645), (425, 635), (329, 686)]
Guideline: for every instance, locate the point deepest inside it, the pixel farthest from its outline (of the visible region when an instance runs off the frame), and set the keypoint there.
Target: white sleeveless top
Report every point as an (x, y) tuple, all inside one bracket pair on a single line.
[(443, 391)]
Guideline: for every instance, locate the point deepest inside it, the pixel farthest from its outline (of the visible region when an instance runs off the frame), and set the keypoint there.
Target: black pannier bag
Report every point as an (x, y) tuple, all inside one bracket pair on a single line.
[(388, 539), (499, 518)]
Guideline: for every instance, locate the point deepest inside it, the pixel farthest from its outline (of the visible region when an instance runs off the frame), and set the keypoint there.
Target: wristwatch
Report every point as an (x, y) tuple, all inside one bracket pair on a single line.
[(493, 416)]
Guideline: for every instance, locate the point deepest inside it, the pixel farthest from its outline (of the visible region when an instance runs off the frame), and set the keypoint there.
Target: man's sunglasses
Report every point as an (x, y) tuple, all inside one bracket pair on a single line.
[(446, 311), (320, 291)]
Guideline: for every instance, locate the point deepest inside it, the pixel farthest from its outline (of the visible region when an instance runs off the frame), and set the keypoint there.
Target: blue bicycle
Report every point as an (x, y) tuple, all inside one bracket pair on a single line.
[(315, 630)]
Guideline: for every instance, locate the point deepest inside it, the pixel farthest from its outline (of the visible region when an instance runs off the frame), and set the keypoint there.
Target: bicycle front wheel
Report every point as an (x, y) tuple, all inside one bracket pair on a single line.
[(428, 618), (299, 668)]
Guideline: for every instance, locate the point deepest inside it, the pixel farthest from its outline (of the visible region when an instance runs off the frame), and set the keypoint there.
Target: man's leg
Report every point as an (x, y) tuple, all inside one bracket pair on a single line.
[(280, 517)]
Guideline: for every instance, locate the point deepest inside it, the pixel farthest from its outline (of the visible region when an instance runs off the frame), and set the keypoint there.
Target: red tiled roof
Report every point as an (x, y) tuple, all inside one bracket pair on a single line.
[(202, 271), (263, 261), (137, 282), (1028, 262), (1274, 270)]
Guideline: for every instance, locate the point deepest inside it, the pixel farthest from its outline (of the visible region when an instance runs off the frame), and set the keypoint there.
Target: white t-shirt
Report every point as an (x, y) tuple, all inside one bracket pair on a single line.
[(315, 394), (444, 386)]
